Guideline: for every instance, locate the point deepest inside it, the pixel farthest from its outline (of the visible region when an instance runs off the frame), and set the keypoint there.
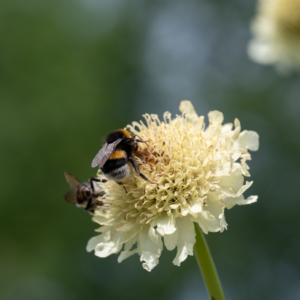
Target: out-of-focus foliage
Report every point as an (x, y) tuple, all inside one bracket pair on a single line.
[(71, 72)]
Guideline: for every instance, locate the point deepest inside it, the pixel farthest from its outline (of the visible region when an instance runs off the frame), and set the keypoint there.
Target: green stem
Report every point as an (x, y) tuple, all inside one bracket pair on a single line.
[(207, 267)]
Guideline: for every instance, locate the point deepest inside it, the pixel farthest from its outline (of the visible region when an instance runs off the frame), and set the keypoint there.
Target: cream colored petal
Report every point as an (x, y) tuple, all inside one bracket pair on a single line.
[(149, 251), (94, 241), (165, 225), (215, 117), (104, 228), (233, 191), (261, 52), (227, 127), (217, 210), (207, 215), (248, 140), (196, 206), (109, 219), (126, 226), (244, 188), (230, 202), (171, 240), (186, 239), (152, 235), (222, 169), (186, 106), (128, 245), (215, 196), (125, 254), (114, 245), (131, 234), (207, 222), (249, 200)]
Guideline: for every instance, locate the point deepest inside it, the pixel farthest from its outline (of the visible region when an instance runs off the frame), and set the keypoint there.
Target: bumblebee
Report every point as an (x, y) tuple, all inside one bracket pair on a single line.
[(83, 194), (114, 156)]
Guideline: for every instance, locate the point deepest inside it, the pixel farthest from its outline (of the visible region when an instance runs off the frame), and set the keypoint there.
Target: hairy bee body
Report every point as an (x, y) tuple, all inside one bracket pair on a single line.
[(83, 194), (114, 157), (116, 168)]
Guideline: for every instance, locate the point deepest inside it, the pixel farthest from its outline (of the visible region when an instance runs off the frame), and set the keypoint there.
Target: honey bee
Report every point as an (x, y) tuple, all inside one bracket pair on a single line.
[(83, 194), (119, 149)]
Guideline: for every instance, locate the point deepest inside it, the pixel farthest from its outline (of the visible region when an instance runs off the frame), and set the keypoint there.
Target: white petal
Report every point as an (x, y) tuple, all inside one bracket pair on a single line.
[(114, 245), (216, 210), (128, 245), (248, 140), (171, 240), (129, 235), (152, 235), (214, 197), (249, 200), (150, 252), (104, 228), (127, 226), (230, 202), (186, 239), (227, 127), (125, 254), (222, 169), (196, 206), (229, 192), (165, 225), (244, 188), (261, 52), (187, 107), (207, 215), (208, 222), (215, 117), (94, 241), (106, 220)]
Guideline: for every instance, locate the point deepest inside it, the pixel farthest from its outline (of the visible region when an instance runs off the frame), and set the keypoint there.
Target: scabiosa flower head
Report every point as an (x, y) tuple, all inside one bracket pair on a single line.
[(276, 30), (199, 172)]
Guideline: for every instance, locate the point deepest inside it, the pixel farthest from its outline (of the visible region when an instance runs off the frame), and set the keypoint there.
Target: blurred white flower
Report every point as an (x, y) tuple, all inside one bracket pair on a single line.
[(199, 172), (276, 30)]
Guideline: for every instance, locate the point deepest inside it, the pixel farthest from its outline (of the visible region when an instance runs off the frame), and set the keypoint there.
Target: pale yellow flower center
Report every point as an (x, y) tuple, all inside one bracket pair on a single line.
[(287, 16)]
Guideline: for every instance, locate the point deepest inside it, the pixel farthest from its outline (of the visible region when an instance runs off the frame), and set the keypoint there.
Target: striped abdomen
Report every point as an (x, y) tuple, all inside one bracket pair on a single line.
[(116, 167)]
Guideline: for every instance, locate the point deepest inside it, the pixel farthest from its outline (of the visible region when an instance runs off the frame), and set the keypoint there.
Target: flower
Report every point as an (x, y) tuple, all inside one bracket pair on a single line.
[(276, 31), (199, 172)]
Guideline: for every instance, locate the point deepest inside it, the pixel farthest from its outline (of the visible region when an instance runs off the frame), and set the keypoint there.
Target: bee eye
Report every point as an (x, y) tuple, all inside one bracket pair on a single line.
[(88, 192)]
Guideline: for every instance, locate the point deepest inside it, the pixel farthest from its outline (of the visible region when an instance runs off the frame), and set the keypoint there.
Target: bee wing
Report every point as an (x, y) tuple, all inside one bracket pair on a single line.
[(70, 196), (104, 154), (72, 180)]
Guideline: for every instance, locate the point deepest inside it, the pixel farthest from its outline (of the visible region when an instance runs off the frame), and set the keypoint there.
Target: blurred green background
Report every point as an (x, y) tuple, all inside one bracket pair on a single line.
[(71, 72)]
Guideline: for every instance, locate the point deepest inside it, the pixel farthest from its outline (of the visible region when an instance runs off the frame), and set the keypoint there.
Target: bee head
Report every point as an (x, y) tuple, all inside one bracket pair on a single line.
[(83, 193), (118, 134)]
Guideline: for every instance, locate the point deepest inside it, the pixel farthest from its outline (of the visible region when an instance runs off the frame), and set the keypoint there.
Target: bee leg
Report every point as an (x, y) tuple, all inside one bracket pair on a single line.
[(121, 183), (95, 179), (92, 184), (141, 141), (133, 162), (89, 205), (133, 139)]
